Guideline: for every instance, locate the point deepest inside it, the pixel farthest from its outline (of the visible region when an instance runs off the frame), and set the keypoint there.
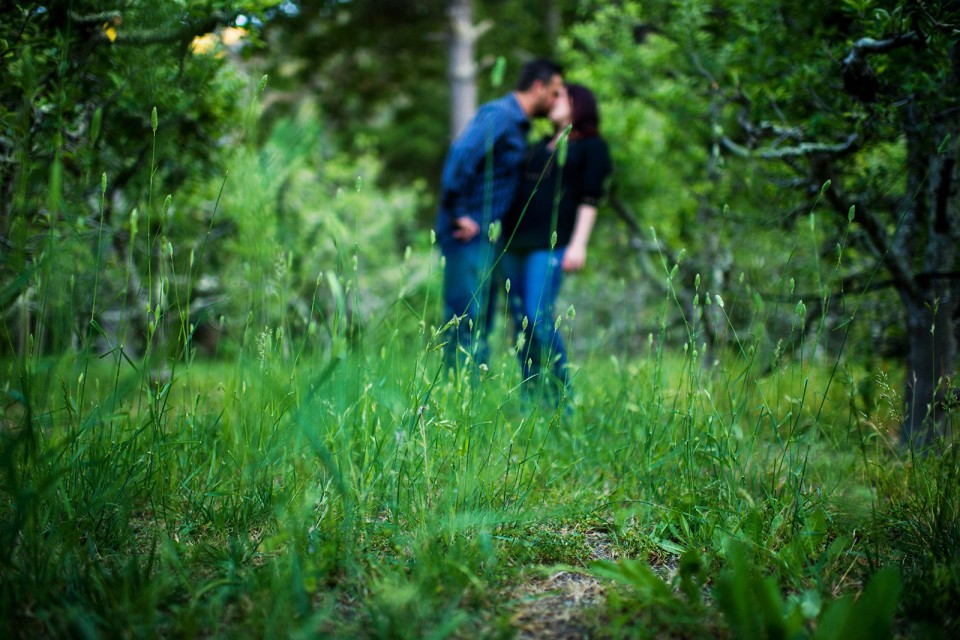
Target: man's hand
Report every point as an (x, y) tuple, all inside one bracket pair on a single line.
[(574, 257), (467, 229)]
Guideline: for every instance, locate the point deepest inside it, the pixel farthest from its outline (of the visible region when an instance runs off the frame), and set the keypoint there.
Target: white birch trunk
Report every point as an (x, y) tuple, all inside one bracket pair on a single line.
[(462, 72)]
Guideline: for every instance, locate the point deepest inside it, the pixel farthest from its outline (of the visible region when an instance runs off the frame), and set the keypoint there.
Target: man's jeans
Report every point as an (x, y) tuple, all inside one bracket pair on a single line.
[(469, 290), (535, 279)]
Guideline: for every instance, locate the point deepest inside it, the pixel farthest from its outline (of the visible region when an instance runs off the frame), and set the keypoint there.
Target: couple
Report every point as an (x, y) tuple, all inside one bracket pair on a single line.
[(546, 201)]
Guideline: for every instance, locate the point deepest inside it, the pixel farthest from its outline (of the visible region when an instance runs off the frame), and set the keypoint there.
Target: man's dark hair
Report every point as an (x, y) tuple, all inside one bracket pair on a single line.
[(539, 69)]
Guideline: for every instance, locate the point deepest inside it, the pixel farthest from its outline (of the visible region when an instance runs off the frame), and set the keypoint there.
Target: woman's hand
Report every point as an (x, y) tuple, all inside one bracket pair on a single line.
[(574, 258)]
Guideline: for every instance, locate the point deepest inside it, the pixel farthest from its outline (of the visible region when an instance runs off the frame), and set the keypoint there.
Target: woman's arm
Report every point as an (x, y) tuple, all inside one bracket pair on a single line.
[(576, 254)]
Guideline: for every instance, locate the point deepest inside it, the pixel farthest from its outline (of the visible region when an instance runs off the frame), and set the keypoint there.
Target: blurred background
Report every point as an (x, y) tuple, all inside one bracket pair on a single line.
[(228, 165)]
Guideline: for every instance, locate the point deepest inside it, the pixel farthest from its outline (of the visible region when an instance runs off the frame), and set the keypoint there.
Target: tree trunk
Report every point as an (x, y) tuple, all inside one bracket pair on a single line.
[(931, 308), (462, 72), (931, 357)]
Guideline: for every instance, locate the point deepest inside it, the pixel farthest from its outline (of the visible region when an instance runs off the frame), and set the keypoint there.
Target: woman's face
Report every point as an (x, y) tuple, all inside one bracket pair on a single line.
[(561, 114)]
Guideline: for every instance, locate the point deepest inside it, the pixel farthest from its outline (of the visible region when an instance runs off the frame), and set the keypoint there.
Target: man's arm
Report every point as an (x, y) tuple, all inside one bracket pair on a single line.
[(465, 159)]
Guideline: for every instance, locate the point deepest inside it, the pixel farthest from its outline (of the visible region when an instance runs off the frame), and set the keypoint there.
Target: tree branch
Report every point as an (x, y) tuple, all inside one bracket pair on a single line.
[(801, 150), (23, 27), (868, 46), (895, 263), (166, 36), (95, 18)]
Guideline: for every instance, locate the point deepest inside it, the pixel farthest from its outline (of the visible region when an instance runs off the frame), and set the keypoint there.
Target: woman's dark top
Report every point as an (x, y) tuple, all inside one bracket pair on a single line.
[(584, 182)]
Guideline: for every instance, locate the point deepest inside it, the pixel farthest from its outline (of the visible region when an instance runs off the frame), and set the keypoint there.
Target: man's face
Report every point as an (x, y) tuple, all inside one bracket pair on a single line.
[(547, 95), (561, 113)]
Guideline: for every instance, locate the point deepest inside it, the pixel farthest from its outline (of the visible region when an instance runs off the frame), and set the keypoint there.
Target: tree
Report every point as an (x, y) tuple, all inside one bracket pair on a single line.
[(86, 90), (889, 87), (379, 69), (849, 105)]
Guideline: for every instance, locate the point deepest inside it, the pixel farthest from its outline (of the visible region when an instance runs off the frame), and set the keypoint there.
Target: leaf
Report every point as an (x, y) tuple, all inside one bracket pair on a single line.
[(95, 124), (55, 195), (496, 76), (670, 547), (943, 144), (634, 574), (562, 146), (871, 616), (875, 609), (692, 575), (834, 619)]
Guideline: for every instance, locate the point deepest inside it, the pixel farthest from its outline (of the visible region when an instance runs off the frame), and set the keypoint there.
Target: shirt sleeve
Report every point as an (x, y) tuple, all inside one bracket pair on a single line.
[(596, 170), (466, 156)]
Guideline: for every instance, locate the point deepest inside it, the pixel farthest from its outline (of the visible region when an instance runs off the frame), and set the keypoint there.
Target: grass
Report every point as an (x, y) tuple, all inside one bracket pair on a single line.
[(387, 499), (324, 475)]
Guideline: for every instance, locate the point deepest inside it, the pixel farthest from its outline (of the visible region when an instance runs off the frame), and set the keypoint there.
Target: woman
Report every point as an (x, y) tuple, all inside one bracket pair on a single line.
[(547, 230)]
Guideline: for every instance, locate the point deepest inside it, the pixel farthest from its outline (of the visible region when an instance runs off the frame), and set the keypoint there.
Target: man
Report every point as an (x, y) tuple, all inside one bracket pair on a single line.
[(479, 181)]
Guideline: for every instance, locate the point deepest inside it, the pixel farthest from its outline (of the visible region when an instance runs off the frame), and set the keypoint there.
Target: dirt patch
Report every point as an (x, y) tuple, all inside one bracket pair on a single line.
[(561, 606), (565, 605)]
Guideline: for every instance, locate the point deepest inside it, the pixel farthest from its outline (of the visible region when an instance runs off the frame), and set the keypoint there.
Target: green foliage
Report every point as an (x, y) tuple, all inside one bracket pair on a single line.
[(377, 71), (325, 476), (384, 499), (754, 607), (86, 93), (923, 526), (300, 233), (651, 607)]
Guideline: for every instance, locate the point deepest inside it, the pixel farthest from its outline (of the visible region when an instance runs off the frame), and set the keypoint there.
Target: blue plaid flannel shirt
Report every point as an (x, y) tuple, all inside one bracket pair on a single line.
[(482, 170)]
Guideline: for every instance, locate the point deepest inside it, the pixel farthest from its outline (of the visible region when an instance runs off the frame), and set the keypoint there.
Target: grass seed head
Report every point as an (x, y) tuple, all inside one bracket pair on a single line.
[(493, 232)]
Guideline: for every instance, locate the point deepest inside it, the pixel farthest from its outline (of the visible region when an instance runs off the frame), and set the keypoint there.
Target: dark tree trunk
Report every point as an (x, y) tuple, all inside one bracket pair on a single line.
[(931, 357), (931, 304)]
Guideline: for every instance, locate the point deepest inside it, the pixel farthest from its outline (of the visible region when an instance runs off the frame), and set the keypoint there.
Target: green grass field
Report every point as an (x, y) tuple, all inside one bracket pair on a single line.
[(363, 491)]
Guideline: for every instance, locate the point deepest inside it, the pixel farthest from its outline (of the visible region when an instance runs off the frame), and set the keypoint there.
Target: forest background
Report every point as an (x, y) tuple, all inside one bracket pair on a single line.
[(201, 198)]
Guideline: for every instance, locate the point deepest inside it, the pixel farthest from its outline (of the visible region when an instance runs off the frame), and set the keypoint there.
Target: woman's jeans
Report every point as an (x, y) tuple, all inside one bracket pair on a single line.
[(535, 277)]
